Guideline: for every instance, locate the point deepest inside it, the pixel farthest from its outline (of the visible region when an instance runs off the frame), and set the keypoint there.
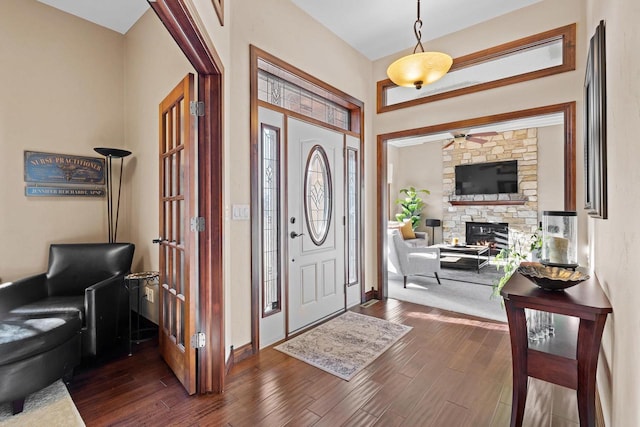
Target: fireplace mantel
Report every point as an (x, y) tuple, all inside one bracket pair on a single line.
[(486, 202)]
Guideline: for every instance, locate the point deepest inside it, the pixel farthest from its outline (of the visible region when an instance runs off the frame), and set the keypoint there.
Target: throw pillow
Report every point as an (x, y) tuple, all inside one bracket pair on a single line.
[(407, 231)]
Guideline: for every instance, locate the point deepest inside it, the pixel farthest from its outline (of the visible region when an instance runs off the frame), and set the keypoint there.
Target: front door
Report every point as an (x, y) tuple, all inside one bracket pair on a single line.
[(315, 222), (178, 269)]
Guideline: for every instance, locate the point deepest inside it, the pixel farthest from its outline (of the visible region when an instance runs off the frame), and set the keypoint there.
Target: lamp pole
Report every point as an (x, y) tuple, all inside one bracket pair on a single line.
[(110, 154)]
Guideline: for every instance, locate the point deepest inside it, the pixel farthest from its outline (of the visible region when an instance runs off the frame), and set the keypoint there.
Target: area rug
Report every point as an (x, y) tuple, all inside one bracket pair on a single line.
[(51, 406), (460, 296), (345, 345)]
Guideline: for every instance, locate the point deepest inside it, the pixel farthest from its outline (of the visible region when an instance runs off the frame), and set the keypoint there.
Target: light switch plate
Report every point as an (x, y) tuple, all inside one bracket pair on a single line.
[(240, 212)]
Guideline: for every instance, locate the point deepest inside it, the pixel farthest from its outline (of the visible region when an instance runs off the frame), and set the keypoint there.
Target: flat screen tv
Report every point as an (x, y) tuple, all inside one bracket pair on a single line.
[(487, 178)]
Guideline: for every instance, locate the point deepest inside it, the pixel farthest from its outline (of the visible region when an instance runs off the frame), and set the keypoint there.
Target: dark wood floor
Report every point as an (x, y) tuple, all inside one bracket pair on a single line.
[(450, 370)]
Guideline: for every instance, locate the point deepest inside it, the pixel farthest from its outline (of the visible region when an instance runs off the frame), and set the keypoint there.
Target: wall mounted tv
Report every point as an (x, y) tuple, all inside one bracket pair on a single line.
[(487, 178)]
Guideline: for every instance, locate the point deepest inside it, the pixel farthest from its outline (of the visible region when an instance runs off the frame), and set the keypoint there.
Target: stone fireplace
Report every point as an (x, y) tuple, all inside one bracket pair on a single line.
[(518, 210)]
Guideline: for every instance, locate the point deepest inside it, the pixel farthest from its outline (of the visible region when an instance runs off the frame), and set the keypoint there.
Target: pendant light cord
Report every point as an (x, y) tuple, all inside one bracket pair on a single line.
[(417, 27)]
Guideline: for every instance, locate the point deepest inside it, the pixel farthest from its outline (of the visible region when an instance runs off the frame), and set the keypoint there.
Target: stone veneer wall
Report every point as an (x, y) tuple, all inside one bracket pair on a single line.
[(520, 145)]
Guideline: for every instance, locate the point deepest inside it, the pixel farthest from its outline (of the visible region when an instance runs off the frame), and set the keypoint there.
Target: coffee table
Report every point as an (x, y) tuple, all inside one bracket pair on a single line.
[(467, 257)]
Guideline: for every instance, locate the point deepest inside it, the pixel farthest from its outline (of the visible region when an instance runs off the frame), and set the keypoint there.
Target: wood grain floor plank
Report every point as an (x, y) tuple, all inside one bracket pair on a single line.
[(412, 384)]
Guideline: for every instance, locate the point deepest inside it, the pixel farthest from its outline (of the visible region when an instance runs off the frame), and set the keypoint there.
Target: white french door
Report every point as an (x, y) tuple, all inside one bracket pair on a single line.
[(315, 223)]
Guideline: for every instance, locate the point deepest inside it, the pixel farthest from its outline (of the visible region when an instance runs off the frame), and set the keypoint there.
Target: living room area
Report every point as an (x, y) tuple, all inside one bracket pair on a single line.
[(494, 215)]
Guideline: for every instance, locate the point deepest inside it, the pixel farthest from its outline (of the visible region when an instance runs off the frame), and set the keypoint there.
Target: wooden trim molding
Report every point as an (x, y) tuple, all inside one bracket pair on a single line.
[(486, 202), (237, 356), (569, 146), (369, 295), (184, 28), (567, 34)]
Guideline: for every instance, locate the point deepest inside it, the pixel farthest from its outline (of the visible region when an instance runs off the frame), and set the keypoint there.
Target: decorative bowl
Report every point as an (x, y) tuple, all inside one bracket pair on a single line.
[(551, 278)]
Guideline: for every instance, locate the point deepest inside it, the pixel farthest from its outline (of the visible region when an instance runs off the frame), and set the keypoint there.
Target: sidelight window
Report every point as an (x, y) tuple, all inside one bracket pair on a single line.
[(271, 245)]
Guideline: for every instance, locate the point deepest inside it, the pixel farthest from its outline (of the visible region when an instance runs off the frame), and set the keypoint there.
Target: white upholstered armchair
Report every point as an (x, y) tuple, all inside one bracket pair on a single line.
[(409, 258)]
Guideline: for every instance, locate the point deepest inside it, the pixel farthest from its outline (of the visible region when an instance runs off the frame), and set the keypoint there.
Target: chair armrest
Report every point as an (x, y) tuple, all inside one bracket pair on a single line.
[(106, 306), (22, 291)]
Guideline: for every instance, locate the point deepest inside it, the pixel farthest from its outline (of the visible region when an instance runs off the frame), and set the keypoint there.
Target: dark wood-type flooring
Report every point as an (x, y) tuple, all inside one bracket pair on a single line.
[(450, 370)]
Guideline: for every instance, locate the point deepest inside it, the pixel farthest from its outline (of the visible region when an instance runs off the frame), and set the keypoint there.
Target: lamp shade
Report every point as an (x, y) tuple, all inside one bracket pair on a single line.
[(419, 69), (432, 223), (112, 152)]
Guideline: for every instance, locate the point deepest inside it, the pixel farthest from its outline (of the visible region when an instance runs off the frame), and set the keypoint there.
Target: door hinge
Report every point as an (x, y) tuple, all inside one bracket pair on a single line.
[(196, 108), (197, 224), (197, 340)]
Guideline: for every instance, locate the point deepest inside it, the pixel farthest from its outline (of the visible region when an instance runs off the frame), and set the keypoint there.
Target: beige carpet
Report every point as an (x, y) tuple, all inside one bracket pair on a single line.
[(345, 345), (51, 406)]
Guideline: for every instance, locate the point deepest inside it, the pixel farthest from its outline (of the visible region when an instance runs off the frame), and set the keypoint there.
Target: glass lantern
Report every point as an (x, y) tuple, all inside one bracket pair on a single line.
[(560, 239)]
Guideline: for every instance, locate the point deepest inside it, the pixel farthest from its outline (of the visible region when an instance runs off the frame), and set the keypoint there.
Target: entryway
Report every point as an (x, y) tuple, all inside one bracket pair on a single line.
[(306, 201)]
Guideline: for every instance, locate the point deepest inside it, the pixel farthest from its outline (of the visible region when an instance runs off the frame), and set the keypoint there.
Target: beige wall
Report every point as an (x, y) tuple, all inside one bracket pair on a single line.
[(615, 241), (419, 166), (551, 169), (62, 93), (153, 66)]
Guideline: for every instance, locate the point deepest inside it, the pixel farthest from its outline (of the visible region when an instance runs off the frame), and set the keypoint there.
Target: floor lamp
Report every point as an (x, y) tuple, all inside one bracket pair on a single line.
[(432, 223), (110, 154)]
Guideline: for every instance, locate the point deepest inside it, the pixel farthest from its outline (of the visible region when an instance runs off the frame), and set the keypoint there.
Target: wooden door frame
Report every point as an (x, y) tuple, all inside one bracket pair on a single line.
[(569, 149), (183, 27), (356, 111)]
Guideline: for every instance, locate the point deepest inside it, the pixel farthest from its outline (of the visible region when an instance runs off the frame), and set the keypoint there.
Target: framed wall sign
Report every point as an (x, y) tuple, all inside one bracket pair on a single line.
[(56, 175), (595, 127)]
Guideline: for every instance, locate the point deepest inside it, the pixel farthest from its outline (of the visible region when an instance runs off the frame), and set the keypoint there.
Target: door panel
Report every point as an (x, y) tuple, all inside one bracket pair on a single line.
[(316, 223), (178, 294)]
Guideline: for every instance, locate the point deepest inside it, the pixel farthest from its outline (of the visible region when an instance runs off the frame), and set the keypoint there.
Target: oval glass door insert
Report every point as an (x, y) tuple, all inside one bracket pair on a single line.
[(317, 195)]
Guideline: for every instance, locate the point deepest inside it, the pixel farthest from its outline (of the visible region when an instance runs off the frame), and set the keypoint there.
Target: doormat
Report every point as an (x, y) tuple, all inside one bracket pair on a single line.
[(346, 344)]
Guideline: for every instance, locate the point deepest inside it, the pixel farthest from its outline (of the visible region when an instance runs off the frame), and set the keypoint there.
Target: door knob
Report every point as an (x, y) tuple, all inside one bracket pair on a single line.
[(293, 234), (159, 240)]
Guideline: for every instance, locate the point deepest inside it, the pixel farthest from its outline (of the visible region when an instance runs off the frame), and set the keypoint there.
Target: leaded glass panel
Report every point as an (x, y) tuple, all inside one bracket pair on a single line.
[(270, 150), (317, 195), (277, 91), (353, 202)]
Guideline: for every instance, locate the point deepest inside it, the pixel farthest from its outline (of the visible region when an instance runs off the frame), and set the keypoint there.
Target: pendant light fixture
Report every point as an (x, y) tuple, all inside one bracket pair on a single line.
[(420, 68)]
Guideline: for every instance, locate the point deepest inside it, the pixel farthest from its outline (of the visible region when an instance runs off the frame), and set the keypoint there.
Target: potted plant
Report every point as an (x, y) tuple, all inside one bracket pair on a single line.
[(411, 205), (509, 258)]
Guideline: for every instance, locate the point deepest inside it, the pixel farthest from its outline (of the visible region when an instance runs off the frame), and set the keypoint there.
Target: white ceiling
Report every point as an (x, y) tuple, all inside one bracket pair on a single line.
[(376, 28), (117, 15)]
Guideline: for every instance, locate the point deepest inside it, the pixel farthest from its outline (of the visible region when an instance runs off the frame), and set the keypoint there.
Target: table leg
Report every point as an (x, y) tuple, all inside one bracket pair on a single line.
[(519, 349), (589, 337), (129, 305)]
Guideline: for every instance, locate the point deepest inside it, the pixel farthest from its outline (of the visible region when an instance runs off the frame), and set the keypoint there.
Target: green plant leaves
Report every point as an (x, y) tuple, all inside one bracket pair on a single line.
[(411, 205)]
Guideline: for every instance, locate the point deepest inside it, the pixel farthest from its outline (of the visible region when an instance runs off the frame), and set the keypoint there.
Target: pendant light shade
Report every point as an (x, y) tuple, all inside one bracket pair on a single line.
[(420, 68)]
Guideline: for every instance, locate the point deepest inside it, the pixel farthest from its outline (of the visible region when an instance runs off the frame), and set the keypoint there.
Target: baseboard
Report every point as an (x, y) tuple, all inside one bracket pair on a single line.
[(238, 355), (372, 294)]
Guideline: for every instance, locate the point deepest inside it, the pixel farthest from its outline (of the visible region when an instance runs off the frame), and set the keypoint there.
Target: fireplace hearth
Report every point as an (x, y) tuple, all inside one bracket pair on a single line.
[(492, 234)]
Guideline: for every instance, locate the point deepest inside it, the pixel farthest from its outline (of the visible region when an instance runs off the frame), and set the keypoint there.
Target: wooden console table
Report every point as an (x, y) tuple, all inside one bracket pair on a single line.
[(570, 357)]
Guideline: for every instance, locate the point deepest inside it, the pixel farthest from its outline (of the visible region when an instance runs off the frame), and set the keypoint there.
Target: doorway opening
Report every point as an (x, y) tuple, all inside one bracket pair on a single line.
[(567, 110)]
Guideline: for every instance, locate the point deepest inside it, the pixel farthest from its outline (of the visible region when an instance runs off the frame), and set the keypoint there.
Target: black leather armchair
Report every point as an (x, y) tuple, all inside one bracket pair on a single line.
[(85, 280), (48, 321)]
